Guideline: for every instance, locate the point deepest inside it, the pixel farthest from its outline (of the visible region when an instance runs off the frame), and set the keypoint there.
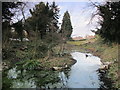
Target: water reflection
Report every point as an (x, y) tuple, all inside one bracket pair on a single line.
[(82, 74)]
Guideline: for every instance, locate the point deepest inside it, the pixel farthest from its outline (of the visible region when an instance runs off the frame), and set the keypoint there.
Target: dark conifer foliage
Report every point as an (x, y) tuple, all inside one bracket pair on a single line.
[(44, 18), (110, 23), (6, 9), (66, 27)]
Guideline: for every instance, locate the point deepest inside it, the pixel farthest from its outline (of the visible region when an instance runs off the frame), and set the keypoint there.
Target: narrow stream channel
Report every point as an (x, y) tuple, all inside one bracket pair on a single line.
[(83, 74)]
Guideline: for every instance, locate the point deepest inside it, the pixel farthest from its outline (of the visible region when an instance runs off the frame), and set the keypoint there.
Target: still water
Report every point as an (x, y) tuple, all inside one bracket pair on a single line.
[(83, 74)]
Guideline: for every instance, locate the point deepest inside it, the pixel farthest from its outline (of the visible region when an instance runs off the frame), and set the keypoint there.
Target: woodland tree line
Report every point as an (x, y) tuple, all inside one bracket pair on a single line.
[(43, 30), (110, 29)]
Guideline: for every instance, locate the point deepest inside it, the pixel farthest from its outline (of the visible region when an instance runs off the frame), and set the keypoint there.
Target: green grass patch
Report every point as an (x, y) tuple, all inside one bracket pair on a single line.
[(76, 42)]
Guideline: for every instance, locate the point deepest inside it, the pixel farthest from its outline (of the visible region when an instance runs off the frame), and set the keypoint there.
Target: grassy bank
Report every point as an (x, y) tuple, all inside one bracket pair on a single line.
[(107, 52), (80, 42), (28, 54), (36, 60)]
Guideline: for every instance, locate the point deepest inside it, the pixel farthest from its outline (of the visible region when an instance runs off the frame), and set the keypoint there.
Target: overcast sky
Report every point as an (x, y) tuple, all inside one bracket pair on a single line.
[(80, 13)]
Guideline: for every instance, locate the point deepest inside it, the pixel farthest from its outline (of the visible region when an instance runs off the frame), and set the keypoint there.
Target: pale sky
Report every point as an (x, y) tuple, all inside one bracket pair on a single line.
[(80, 13)]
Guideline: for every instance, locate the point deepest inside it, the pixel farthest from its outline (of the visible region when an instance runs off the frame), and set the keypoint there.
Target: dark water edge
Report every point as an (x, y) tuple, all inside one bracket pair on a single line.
[(107, 85), (107, 82)]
